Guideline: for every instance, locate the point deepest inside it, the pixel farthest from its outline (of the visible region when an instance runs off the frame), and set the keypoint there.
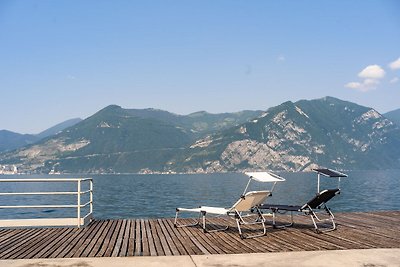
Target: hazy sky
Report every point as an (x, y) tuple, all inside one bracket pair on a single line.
[(65, 59)]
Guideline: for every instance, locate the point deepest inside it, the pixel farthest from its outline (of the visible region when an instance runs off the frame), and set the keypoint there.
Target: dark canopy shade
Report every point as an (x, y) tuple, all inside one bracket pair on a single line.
[(330, 173)]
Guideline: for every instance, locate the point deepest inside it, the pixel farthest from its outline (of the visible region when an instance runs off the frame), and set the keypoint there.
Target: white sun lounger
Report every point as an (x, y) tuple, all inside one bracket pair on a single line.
[(240, 210)]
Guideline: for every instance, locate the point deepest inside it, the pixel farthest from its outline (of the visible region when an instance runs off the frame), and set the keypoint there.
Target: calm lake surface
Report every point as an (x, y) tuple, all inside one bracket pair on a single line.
[(157, 196)]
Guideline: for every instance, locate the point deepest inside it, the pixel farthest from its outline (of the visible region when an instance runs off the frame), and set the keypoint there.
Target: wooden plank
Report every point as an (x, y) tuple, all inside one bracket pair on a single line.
[(209, 247), (131, 241), (19, 235), (138, 239), (118, 242), (9, 233), (251, 245), (97, 246), (26, 248), (152, 246), (164, 243), (42, 245), (375, 231), (76, 246), (113, 239), (171, 244), (125, 240), (106, 238), (65, 246), (91, 248), (168, 224), (88, 239), (23, 242), (187, 242), (319, 243), (55, 244), (145, 240), (156, 238)]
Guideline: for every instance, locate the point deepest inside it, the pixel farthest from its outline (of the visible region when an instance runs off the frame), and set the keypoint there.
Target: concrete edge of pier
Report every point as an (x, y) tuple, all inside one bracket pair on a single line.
[(355, 257)]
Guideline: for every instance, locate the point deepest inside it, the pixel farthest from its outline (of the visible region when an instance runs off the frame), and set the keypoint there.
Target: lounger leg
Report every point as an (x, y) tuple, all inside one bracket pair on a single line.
[(205, 225), (273, 219), (204, 222), (331, 219), (184, 225), (315, 224), (242, 236), (239, 229), (260, 220), (281, 226)]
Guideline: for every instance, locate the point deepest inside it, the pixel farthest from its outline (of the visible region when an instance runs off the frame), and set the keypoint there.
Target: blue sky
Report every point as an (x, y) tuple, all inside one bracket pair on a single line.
[(65, 59)]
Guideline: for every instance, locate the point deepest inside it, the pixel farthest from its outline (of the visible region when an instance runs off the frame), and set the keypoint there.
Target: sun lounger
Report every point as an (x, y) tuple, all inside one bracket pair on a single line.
[(245, 211), (310, 208)]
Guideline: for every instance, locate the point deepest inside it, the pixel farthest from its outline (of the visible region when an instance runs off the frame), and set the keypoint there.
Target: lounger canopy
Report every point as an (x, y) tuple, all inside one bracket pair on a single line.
[(328, 173), (263, 177)]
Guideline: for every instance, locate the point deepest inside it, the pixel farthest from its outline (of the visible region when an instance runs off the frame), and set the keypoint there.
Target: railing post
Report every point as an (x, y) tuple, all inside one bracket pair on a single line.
[(79, 204), (91, 196)]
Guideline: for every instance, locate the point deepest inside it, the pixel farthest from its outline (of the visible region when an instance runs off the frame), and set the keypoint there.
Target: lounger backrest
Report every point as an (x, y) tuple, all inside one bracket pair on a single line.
[(250, 200), (321, 198)]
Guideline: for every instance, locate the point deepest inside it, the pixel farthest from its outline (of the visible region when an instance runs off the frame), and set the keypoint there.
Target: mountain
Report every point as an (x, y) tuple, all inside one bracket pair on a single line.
[(10, 140), (119, 140), (292, 136), (299, 136), (198, 123), (393, 116), (58, 128)]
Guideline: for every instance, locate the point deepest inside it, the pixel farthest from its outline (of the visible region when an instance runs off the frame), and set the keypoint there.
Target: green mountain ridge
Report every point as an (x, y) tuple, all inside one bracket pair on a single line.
[(119, 140), (10, 140), (291, 136)]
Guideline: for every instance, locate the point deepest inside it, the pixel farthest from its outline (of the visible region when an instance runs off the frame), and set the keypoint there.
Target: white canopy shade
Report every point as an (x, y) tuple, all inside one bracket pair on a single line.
[(265, 177)]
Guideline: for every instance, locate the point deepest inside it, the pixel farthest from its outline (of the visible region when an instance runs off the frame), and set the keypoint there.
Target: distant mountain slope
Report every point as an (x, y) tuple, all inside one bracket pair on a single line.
[(10, 140), (394, 116), (199, 123), (292, 136), (120, 140), (298, 136), (58, 128)]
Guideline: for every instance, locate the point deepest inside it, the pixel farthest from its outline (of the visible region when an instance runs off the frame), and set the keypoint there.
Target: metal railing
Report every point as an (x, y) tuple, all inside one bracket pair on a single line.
[(26, 222)]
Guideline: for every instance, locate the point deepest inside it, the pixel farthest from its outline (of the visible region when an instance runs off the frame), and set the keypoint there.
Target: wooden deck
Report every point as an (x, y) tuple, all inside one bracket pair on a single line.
[(155, 237)]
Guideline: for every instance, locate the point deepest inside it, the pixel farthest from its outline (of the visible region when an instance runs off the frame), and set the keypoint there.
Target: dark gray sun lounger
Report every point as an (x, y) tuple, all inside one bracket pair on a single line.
[(316, 203)]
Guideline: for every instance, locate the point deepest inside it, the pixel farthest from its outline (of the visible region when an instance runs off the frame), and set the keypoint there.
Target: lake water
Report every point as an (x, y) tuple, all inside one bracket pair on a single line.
[(157, 196)]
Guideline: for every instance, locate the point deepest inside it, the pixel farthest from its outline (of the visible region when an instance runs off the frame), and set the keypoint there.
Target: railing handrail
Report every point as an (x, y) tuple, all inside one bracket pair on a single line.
[(44, 193), (47, 180), (80, 220)]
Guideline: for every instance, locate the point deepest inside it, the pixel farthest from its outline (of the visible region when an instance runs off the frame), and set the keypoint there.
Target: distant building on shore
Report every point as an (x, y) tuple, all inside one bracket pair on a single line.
[(8, 169)]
